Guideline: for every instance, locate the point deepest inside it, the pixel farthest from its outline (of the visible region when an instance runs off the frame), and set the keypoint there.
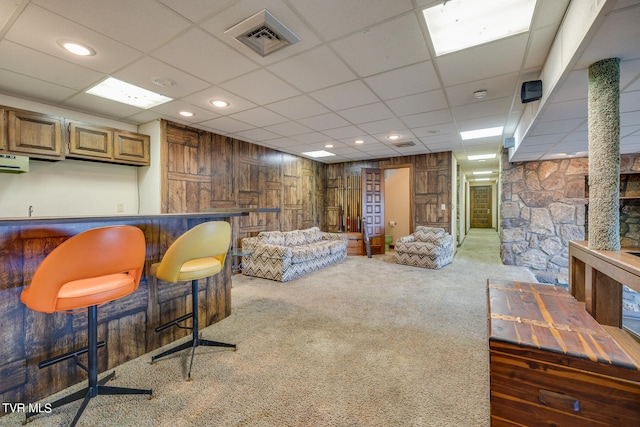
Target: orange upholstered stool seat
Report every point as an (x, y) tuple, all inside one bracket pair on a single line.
[(87, 270)]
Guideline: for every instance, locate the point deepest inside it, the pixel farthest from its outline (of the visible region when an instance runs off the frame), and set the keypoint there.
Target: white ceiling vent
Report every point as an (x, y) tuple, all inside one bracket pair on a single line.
[(404, 144), (263, 33)]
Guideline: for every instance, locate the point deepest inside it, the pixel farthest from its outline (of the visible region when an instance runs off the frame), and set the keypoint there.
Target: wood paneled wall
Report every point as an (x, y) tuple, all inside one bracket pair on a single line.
[(205, 170), (431, 187)]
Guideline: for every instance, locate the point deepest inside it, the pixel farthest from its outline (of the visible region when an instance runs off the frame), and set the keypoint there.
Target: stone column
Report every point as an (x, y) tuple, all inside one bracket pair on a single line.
[(604, 155)]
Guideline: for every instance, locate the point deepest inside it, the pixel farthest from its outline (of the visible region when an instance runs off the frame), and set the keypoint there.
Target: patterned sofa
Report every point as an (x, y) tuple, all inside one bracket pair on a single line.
[(427, 247), (285, 255)]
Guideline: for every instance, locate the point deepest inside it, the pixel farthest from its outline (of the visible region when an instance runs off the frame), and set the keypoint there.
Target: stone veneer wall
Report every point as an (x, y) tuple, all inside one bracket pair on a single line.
[(544, 207)]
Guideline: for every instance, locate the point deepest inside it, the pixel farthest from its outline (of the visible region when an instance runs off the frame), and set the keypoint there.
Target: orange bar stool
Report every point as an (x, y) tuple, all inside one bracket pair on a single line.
[(198, 253), (86, 270)]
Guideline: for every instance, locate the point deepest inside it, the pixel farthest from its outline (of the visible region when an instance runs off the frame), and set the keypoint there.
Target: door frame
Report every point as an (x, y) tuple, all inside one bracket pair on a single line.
[(494, 202), (411, 194)]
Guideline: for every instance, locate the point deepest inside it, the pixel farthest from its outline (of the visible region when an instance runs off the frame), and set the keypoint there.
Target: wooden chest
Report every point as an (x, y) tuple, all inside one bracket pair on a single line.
[(552, 364)]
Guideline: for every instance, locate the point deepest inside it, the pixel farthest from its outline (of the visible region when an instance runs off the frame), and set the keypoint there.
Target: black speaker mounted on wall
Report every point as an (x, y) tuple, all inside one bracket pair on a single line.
[(531, 91)]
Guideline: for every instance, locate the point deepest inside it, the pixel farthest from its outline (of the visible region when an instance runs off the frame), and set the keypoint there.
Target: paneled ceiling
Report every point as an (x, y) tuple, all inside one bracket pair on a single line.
[(362, 70)]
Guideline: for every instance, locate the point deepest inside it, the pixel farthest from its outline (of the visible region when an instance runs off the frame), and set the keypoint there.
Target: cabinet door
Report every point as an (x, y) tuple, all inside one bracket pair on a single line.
[(37, 135), (132, 148), (90, 142)]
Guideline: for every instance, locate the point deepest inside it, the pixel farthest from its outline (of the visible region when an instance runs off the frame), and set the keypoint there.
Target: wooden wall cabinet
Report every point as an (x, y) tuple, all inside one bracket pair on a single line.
[(34, 134), (107, 145)]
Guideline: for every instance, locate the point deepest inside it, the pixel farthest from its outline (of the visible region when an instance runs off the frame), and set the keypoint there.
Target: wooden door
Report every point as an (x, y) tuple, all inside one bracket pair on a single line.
[(373, 207), (481, 207)]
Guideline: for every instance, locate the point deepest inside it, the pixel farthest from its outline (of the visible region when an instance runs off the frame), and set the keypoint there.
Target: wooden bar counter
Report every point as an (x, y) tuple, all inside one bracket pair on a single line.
[(127, 325)]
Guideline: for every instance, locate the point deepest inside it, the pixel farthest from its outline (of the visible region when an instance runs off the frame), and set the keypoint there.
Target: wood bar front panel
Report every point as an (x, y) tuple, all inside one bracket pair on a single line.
[(127, 325)]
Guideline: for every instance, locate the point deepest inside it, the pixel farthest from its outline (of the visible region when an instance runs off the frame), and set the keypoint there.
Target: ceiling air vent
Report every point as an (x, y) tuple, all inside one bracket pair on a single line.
[(404, 144), (263, 33)]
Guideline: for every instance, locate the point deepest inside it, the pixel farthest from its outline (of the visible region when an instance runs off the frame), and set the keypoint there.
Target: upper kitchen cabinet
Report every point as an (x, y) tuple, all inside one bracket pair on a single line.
[(33, 134), (105, 144)]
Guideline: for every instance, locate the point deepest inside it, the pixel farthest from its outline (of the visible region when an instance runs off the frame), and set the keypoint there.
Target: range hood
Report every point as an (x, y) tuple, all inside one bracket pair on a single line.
[(13, 164)]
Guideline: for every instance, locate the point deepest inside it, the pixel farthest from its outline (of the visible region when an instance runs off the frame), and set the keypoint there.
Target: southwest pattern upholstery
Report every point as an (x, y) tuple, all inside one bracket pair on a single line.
[(285, 255), (427, 247)]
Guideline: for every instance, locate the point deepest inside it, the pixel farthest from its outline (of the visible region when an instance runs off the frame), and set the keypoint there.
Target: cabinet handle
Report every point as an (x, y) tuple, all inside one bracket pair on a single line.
[(558, 401)]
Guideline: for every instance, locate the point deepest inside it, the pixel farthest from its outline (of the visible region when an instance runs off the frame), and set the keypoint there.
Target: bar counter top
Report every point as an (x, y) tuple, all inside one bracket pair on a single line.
[(208, 214)]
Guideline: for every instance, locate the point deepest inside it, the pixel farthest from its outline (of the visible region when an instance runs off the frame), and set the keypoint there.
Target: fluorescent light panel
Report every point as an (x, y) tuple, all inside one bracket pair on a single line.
[(482, 172), (481, 157), (319, 153), (458, 24), (126, 93), (481, 133), (482, 179)]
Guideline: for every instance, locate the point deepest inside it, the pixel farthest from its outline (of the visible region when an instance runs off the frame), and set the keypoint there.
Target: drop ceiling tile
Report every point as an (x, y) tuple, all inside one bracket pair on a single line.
[(29, 87), (146, 70), (430, 131), (336, 18), (280, 143), (565, 110), (312, 70), (540, 43), (310, 138), (497, 87), (289, 128), (226, 125), (261, 87), (256, 135), (419, 103), (558, 126), (382, 126), (258, 117), (405, 81), (197, 10), (431, 118), (141, 24), (198, 53), (298, 107), (492, 107), (390, 45), (489, 60), (367, 113), (324, 121), (42, 30), (203, 99), (343, 132), (173, 108), (347, 95), (28, 62), (404, 134), (630, 101)]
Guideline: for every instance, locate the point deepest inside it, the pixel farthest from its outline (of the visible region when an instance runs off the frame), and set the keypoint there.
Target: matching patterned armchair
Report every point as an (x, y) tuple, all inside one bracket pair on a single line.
[(427, 247)]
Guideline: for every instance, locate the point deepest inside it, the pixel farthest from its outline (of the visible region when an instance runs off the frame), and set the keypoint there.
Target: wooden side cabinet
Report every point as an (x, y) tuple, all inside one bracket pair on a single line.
[(107, 145), (33, 134), (355, 244)]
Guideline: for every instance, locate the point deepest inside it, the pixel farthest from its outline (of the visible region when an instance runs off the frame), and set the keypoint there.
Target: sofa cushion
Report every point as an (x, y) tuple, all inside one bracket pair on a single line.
[(428, 234), (312, 235), (294, 238), (271, 237), (304, 253)]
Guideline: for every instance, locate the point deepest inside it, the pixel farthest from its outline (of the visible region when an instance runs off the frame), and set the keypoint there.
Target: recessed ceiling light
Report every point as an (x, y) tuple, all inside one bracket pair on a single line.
[(481, 133), (328, 146), (186, 113), (458, 24), (393, 137), (320, 153), (76, 48), (482, 172), (219, 103), (359, 141), (117, 90), (481, 156)]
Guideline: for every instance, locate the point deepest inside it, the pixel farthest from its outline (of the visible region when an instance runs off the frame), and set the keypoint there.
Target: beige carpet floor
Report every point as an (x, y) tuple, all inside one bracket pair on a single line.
[(365, 342)]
